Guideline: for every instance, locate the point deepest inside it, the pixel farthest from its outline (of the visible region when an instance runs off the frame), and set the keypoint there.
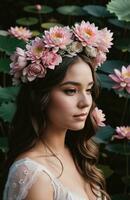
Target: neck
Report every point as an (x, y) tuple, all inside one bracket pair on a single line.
[(55, 139)]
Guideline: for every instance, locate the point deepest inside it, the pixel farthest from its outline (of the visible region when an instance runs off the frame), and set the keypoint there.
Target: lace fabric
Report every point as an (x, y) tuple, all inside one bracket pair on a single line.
[(24, 173)]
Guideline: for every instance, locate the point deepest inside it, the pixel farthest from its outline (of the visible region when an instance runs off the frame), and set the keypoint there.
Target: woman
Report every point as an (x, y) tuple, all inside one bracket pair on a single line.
[(51, 151)]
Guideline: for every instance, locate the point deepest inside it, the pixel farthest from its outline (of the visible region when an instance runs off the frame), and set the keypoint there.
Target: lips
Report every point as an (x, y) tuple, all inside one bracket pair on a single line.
[(80, 117), (82, 114)]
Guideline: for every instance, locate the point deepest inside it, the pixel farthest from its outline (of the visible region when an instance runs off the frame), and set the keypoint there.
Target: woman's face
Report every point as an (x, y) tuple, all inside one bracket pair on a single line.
[(71, 100)]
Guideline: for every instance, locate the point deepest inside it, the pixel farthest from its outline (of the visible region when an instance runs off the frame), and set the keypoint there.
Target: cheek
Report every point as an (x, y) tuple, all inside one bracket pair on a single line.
[(59, 104)]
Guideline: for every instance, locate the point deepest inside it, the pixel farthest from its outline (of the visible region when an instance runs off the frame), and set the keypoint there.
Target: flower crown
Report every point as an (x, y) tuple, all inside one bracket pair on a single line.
[(47, 51)]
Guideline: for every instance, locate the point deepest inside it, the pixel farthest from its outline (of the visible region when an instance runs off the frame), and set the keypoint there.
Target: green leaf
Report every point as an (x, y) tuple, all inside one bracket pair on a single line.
[(123, 44), (3, 144), (35, 33), (107, 171), (120, 24), (121, 8), (27, 21), (97, 11), (4, 65), (110, 65), (104, 134), (8, 93), (71, 10), (3, 32), (9, 44), (44, 9), (122, 93), (7, 111), (118, 149), (48, 25), (105, 81)]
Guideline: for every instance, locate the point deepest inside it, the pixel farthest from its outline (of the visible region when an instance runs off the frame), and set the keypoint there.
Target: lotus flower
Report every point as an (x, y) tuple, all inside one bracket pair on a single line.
[(35, 49), (19, 60), (74, 48), (34, 70), (122, 78), (122, 132), (99, 59), (98, 116), (105, 40), (86, 33), (38, 7), (20, 32), (58, 37), (50, 59)]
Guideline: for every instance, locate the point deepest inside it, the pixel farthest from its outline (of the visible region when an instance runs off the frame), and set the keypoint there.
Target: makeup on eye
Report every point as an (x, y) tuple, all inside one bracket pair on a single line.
[(72, 91)]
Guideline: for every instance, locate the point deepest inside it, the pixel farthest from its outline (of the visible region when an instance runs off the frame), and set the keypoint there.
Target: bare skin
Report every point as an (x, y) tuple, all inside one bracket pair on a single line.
[(67, 100)]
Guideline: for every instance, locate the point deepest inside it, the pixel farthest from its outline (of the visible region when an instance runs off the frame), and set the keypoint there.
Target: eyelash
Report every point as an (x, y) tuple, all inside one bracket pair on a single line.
[(73, 91)]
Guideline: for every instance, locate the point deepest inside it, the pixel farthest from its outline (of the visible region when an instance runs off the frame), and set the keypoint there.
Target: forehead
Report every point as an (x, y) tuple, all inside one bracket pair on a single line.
[(79, 72)]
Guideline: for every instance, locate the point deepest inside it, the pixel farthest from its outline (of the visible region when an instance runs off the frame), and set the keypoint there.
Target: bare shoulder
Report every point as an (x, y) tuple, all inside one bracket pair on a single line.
[(42, 189)]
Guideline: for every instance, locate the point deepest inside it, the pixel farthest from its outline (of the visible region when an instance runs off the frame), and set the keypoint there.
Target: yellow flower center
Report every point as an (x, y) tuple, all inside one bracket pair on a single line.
[(38, 50), (128, 129), (126, 74), (57, 35), (88, 32)]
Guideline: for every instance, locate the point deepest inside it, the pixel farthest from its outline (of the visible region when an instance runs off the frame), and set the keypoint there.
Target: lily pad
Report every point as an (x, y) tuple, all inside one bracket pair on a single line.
[(8, 44), (35, 33), (120, 24), (3, 32), (121, 8), (4, 65), (109, 65), (71, 10), (104, 134), (48, 25), (7, 111), (118, 149), (44, 9), (8, 93), (27, 21), (105, 81), (97, 11)]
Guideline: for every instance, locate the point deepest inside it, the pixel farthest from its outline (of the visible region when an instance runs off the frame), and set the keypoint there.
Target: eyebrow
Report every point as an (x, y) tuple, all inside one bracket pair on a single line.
[(75, 83)]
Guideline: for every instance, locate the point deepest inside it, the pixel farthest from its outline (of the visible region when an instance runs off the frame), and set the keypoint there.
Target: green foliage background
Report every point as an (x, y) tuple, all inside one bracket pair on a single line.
[(114, 155)]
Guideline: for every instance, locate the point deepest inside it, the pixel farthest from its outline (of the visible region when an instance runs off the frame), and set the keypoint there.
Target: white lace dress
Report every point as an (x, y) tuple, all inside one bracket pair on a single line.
[(24, 173)]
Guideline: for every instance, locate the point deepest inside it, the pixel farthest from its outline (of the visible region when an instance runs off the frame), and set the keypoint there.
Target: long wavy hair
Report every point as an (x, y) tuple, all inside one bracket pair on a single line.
[(32, 102)]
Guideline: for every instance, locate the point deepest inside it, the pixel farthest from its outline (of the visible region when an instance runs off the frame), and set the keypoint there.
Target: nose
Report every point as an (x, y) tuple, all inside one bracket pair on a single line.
[(84, 100)]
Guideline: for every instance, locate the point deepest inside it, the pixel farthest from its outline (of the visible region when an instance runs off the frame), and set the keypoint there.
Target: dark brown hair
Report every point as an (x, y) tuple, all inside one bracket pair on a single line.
[(32, 102)]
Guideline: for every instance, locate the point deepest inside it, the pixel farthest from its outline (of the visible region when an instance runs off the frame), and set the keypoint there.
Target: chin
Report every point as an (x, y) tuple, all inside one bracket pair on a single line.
[(78, 127)]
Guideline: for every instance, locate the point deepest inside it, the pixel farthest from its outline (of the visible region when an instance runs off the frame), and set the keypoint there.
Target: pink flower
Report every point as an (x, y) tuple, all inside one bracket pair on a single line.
[(122, 78), (99, 59), (50, 59), (87, 33), (19, 60), (105, 40), (122, 132), (98, 116), (20, 33), (38, 7), (35, 49), (34, 70), (58, 37)]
